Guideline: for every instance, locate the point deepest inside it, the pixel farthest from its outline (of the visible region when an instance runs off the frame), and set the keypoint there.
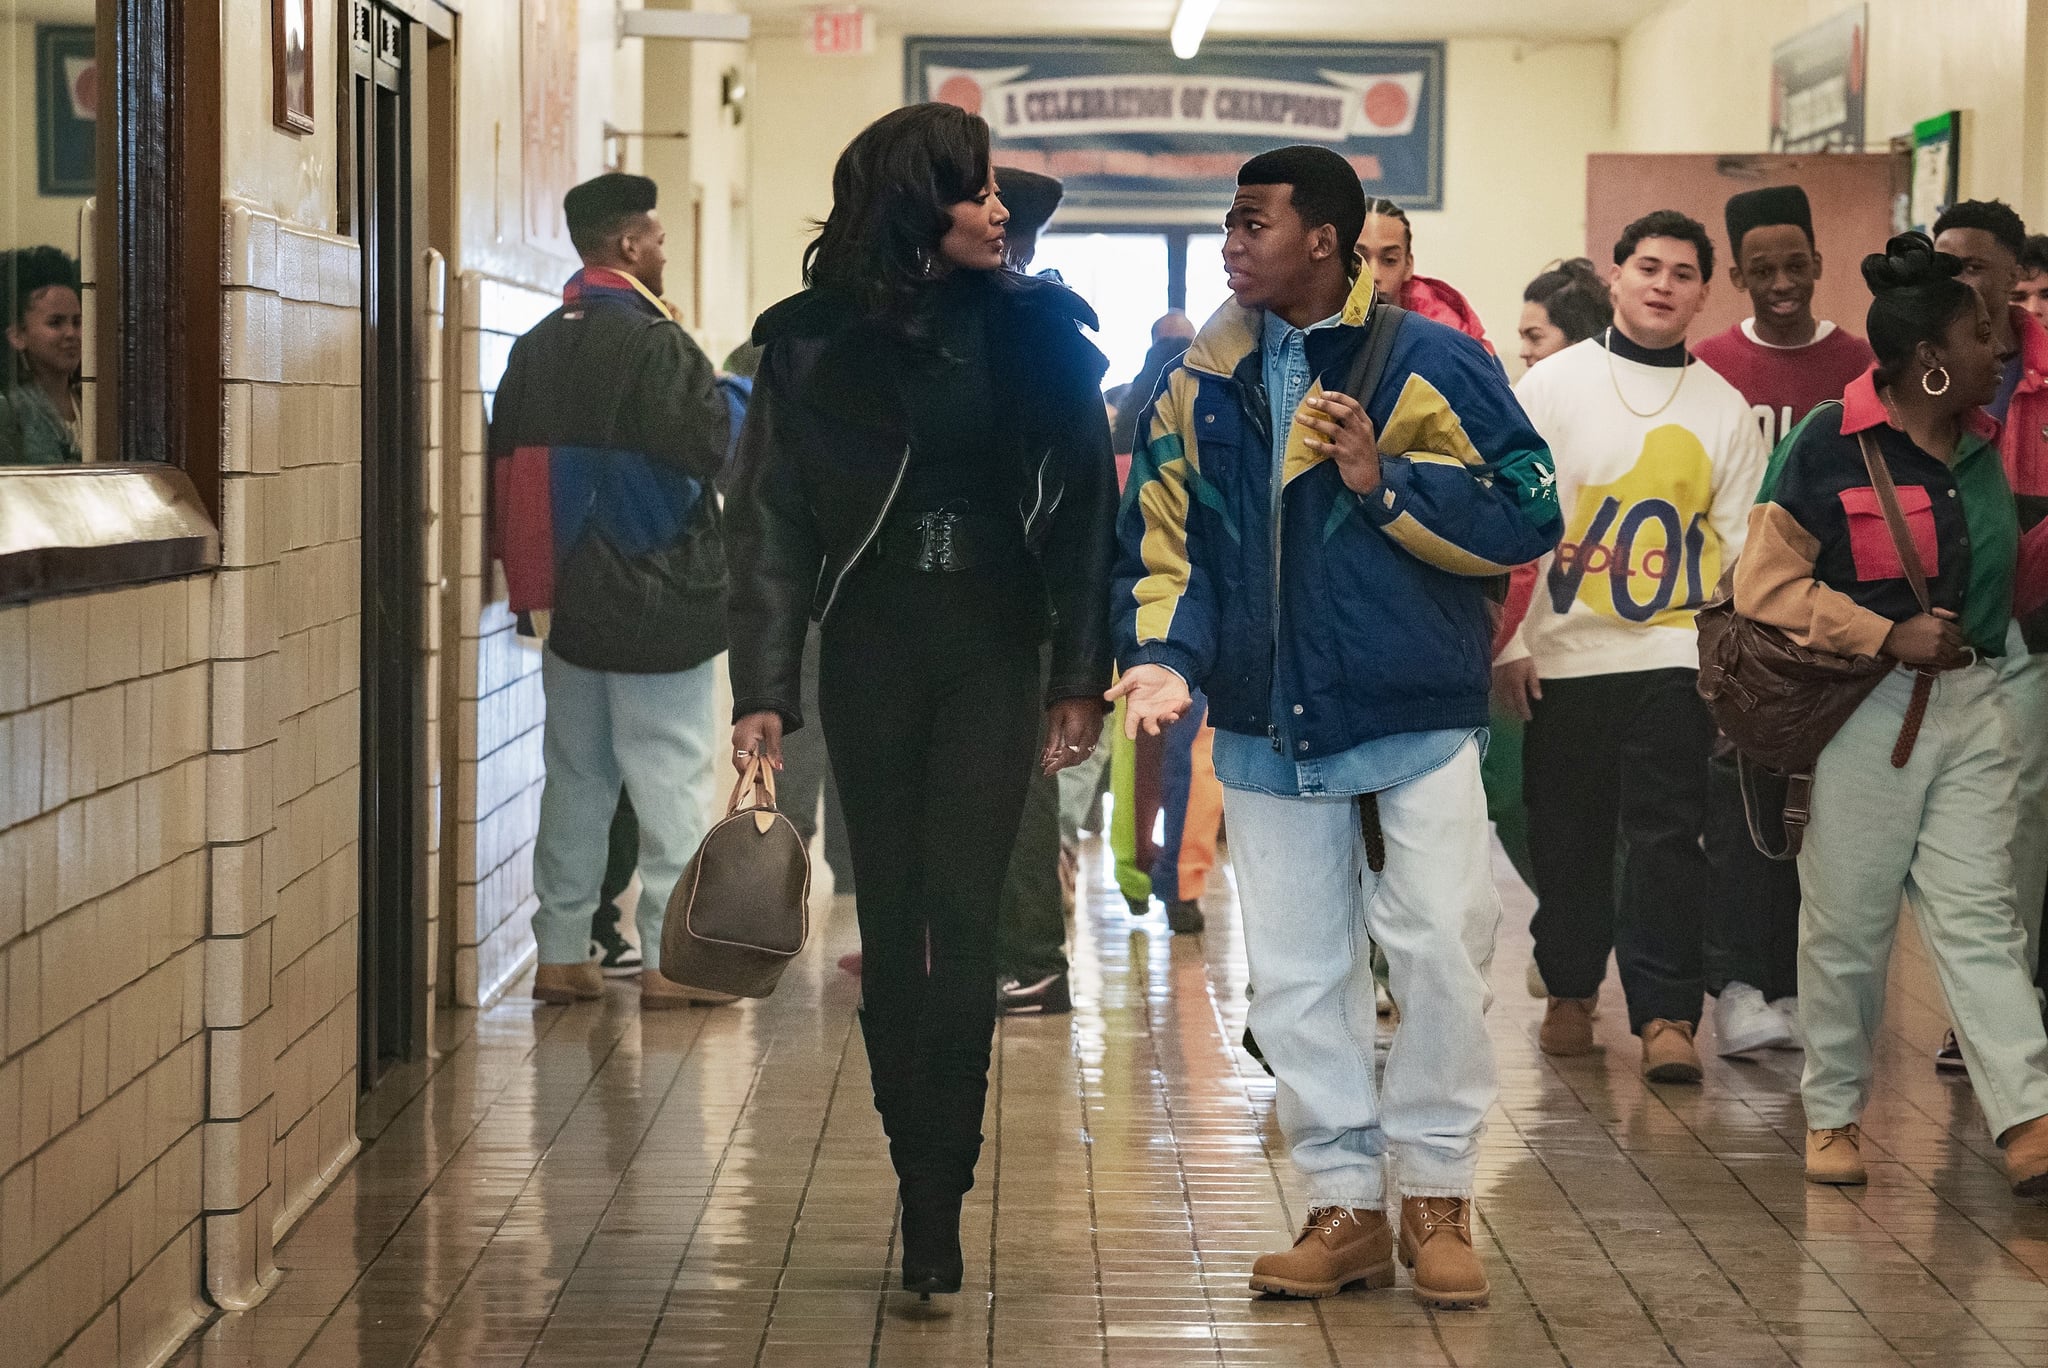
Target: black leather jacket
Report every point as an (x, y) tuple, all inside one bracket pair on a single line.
[(825, 448)]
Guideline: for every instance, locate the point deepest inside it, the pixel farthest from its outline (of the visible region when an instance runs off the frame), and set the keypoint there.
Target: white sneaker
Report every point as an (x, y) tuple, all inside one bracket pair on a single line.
[(1788, 1008), (1533, 979), (1743, 1022)]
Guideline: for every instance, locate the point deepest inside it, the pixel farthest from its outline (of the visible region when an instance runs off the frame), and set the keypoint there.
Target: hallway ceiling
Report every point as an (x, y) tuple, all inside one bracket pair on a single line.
[(1352, 19)]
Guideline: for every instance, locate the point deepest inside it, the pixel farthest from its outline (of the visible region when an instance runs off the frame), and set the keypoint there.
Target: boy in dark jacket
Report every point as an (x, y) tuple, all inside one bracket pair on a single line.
[(1317, 566), (606, 435)]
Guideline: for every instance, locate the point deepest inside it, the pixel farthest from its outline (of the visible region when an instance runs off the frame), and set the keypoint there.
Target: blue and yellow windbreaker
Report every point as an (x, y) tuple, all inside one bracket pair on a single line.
[(1372, 616)]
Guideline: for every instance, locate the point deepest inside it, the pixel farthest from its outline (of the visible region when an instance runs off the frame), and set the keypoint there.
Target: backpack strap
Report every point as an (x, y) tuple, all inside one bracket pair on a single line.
[(1369, 367)]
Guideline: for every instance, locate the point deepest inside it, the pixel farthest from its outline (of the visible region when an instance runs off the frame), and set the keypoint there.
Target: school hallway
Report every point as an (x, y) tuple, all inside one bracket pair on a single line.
[(588, 1186)]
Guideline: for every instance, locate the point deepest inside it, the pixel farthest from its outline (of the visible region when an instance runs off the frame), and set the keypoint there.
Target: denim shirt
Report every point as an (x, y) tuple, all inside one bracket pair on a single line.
[(1251, 762)]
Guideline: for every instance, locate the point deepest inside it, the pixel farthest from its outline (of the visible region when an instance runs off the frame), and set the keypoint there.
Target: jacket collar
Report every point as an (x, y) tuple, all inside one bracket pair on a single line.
[(2033, 349), (1862, 410), (600, 282), (1233, 331)]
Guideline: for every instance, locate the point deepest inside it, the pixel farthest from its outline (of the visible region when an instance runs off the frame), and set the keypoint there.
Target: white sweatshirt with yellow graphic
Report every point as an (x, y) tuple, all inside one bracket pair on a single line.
[(1654, 509)]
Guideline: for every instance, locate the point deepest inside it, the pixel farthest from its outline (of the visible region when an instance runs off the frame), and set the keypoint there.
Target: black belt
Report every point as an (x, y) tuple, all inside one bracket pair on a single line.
[(943, 542)]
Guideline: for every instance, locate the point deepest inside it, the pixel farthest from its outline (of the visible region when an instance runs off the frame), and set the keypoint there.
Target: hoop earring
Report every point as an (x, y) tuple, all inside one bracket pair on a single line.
[(924, 262), (1931, 390)]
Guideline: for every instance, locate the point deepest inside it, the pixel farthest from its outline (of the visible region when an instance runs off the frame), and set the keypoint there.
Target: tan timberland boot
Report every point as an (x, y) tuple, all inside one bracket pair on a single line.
[(1834, 1155), (1668, 1052), (1436, 1244), (1567, 1027), (658, 993), (2026, 1157), (1340, 1247), (562, 984)]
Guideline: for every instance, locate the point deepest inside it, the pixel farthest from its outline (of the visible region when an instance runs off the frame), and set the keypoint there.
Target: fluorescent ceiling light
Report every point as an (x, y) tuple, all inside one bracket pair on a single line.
[(1190, 22)]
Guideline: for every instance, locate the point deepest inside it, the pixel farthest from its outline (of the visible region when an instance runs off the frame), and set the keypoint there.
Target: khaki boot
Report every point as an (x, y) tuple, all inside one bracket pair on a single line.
[(1338, 1248), (1436, 1244), (658, 993), (562, 984), (1668, 1053), (1835, 1156), (1567, 1027), (2026, 1157)]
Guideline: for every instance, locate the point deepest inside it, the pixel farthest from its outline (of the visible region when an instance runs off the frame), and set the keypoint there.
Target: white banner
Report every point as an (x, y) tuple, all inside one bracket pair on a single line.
[(1351, 104)]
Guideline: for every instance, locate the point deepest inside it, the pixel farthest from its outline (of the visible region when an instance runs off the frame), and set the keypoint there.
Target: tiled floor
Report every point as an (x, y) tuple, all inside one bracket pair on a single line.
[(585, 1186)]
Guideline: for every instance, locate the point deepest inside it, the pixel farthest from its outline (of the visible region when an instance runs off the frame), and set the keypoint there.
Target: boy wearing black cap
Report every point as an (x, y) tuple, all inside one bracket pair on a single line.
[(605, 436), (1784, 361)]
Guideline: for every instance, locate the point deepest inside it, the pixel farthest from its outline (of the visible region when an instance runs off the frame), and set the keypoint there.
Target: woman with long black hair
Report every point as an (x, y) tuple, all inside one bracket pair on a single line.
[(926, 470), (1914, 797)]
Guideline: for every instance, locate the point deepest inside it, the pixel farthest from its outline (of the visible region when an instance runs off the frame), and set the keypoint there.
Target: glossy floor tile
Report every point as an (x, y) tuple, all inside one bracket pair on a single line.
[(585, 1186)]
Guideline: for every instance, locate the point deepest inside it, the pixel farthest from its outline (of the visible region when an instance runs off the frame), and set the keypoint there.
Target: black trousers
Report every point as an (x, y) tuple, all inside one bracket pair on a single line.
[(1620, 761), (1752, 913), (930, 696)]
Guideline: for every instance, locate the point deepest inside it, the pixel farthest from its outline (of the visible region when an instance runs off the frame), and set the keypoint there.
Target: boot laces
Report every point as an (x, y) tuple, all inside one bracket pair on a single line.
[(1328, 1220), (1446, 1213), (1829, 1134)]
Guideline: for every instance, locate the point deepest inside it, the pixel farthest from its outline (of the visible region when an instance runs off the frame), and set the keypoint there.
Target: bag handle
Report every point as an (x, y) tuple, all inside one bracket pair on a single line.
[(757, 786), (1888, 499)]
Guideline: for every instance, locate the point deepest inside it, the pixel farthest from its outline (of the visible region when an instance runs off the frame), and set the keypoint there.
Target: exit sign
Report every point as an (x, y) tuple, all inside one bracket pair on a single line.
[(841, 33)]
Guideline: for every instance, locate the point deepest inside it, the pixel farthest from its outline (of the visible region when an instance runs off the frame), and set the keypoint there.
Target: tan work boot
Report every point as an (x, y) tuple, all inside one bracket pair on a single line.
[(1567, 1027), (562, 984), (658, 993), (1834, 1155), (2026, 1157), (1668, 1053), (1436, 1244), (1338, 1248)]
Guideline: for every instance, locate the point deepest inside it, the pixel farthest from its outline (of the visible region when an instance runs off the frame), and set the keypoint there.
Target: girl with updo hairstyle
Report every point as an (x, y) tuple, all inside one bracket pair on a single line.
[(1567, 303), (1914, 797)]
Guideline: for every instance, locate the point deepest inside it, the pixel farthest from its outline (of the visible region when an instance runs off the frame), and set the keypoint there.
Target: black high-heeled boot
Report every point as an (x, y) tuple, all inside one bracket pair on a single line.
[(932, 1261)]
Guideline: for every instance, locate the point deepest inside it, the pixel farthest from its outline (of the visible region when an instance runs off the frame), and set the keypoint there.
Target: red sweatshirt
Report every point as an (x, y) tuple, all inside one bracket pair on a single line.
[(1784, 384), (1439, 303)]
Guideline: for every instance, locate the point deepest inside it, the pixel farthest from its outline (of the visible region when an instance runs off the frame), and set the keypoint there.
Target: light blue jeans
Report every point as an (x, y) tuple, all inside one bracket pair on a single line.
[(2025, 679), (1309, 902), (654, 734), (1938, 832)]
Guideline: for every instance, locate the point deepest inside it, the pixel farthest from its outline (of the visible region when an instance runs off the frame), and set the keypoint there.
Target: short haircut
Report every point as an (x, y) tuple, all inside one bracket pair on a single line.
[(1667, 223), (1574, 296), (1030, 198), (2034, 260), (598, 208), (1995, 217), (1386, 208), (1768, 206), (26, 272), (1325, 188)]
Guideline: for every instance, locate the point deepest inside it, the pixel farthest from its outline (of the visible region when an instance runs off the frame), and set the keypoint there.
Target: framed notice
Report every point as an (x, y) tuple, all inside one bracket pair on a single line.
[(547, 98), (67, 108), (1128, 126), (1817, 86), (291, 64), (1937, 160)]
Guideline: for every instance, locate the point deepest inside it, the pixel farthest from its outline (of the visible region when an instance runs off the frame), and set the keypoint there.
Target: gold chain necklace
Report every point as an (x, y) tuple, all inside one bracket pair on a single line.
[(1608, 346)]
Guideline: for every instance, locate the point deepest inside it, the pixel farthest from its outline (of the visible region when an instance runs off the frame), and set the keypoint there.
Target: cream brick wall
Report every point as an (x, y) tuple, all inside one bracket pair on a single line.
[(494, 795), (104, 968)]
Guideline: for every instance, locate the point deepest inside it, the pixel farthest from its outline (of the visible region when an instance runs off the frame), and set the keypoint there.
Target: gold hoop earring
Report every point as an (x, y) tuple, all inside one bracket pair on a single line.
[(1931, 391)]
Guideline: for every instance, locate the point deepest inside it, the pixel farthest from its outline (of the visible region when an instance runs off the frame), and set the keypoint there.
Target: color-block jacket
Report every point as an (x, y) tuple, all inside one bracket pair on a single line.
[(606, 433), (1326, 619)]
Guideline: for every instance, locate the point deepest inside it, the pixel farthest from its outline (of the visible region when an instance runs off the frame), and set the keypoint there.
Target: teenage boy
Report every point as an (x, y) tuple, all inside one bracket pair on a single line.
[(1318, 567), (1991, 241), (606, 433), (1784, 361), (1387, 243), (1658, 460), (2030, 291)]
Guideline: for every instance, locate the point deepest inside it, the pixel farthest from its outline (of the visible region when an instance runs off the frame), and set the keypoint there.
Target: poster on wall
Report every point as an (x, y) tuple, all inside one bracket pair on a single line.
[(1817, 86), (291, 65), (1937, 160), (67, 108), (549, 42), (1130, 127)]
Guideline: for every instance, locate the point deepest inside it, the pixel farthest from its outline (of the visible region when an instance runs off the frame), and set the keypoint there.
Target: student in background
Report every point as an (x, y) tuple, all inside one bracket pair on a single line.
[(1991, 242), (1388, 246), (1784, 361), (39, 414), (1913, 799), (2030, 290), (1657, 462)]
